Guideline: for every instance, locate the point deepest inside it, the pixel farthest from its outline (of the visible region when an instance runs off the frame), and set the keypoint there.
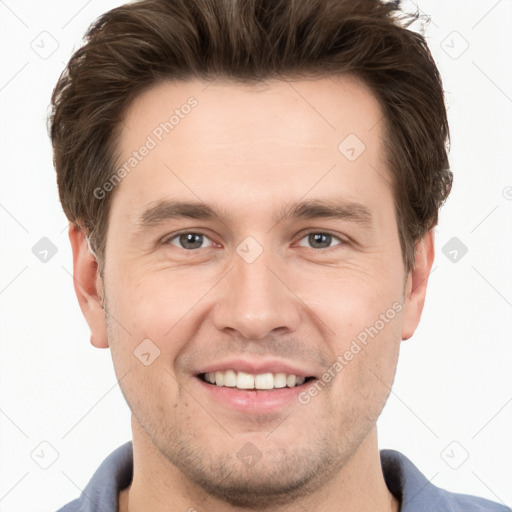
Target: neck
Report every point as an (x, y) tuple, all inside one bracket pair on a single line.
[(157, 485)]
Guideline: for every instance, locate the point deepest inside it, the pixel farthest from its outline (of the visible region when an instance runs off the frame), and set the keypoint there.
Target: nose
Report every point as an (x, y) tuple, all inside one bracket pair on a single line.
[(256, 299)]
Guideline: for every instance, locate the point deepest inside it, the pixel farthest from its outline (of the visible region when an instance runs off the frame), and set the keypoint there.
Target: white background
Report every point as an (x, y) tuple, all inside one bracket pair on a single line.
[(454, 382)]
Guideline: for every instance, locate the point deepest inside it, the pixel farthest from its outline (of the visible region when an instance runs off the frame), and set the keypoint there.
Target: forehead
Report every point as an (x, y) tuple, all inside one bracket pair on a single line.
[(314, 112), (280, 136)]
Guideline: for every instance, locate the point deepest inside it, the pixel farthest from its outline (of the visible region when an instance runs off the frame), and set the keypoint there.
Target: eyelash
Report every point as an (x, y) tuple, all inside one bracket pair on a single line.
[(342, 241)]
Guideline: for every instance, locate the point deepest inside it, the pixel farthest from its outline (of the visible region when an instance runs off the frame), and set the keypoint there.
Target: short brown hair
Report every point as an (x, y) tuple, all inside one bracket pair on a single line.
[(135, 46)]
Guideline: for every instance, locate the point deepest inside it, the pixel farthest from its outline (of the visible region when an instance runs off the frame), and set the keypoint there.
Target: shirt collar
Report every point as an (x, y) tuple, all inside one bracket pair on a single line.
[(402, 477)]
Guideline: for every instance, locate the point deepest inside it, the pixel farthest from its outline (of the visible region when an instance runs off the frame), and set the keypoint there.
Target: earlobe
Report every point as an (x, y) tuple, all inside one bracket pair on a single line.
[(88, 286), (416, 286)]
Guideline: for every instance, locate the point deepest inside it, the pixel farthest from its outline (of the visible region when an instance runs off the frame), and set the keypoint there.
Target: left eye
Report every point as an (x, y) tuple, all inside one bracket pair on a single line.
[(319, 240)]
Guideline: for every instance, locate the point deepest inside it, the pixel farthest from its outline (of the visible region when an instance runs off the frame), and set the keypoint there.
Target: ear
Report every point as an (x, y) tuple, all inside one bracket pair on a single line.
[(416, 285), (88, 286)]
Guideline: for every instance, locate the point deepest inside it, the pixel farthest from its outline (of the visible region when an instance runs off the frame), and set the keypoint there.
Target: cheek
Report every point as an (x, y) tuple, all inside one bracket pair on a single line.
[(348, 300), (152, 305), (366, 370), (143, 361), (153, 320), (363, 314)]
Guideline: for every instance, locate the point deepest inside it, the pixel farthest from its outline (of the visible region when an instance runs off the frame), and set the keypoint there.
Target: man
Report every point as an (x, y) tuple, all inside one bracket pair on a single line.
[(252, 189)]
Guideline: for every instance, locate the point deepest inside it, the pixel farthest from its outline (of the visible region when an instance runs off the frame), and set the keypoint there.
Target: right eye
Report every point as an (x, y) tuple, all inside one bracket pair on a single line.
[(188, 240)]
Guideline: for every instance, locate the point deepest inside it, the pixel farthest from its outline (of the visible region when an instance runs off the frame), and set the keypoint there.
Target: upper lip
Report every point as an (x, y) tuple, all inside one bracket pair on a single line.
[(257, 367)]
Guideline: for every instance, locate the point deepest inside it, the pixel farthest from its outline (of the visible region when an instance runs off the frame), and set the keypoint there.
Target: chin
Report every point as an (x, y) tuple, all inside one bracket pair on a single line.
[(279, 477), (260, 489)]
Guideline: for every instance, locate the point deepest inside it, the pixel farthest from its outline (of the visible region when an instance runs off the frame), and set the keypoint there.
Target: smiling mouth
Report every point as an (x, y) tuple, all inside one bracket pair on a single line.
[(248, 381)]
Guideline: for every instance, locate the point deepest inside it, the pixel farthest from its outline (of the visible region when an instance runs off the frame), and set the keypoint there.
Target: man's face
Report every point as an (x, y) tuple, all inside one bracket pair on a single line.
[(261, 288)]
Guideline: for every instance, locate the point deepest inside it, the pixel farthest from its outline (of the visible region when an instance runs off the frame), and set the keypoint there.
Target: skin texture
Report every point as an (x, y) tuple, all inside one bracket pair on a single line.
[(249, 152)]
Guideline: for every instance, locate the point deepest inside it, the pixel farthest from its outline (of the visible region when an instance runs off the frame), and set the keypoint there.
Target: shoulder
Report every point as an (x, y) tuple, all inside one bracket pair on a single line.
[(113, 475), (417, 494)]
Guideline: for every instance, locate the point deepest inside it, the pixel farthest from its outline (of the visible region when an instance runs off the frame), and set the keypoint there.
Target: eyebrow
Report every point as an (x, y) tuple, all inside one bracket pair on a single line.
[(328, 208), (306, 210), (168, 210)]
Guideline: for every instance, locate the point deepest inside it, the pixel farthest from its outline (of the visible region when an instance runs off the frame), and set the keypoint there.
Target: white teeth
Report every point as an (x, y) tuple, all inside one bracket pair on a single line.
[(219, 378), (243, 380), (264, 381), (280, 380), (229, 379), (291, 380)]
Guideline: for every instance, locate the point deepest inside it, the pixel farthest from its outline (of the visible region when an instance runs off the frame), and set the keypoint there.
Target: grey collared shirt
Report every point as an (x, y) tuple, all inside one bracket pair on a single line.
[(402, 477)]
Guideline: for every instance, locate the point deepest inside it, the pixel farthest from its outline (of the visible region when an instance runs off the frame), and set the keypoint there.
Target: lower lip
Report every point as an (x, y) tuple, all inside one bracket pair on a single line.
[(257, 401)]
